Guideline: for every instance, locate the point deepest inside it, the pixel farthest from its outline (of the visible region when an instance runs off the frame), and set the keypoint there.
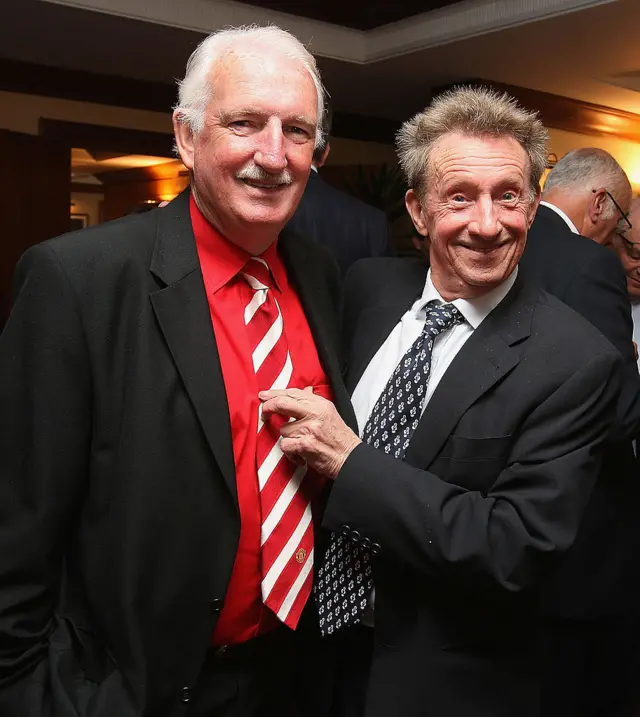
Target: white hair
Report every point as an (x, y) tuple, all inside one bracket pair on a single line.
[(195, 90), (582, 170)]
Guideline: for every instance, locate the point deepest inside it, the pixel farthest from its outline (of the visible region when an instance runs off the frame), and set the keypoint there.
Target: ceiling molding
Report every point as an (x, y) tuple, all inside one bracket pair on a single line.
[(431, 29), (462, 21), (206, 16), (571, 115)]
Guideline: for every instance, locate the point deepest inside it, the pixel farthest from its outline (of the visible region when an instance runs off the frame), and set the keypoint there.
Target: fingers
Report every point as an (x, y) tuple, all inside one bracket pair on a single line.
[(283, 405)]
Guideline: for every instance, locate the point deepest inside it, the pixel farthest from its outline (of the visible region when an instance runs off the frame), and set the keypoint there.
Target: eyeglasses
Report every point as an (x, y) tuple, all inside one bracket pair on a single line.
[(631, 247), (623, 224)]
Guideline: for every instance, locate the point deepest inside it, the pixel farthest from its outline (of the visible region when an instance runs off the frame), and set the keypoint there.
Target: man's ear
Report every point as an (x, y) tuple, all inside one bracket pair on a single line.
[(533, 208), (414, 207), (323, 157), (596, 205), (184, 139)]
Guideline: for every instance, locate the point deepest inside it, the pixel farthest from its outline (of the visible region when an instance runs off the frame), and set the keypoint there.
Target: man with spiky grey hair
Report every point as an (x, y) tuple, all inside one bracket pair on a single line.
[(156, 547), (483, 405)]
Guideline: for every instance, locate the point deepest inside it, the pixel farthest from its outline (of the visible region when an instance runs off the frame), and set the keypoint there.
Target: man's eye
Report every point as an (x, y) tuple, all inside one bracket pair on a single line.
[(298, 133), (240, 124), (458, 198), (509, 196)]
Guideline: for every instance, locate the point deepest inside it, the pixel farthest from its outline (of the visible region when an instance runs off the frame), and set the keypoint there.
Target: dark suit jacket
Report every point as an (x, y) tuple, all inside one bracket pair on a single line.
[(117, 466), (491, 492), (601, 573), (348, 228)]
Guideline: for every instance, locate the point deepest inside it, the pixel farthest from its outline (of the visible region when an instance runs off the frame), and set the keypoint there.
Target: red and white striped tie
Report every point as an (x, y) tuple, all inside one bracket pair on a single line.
[(285, 496)]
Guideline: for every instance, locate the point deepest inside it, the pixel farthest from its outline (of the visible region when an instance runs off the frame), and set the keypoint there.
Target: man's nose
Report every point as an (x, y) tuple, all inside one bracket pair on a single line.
[(485, 219), (270, 153)]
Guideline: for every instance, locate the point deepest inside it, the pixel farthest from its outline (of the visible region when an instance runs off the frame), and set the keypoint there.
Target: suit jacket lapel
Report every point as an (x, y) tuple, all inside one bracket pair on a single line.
[(490, 353), (320, 312), (182, 310)]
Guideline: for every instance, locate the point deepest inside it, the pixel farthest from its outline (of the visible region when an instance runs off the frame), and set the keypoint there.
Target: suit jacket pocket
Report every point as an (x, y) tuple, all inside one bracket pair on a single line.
[(472, 463), (477, 449), (84, 681)]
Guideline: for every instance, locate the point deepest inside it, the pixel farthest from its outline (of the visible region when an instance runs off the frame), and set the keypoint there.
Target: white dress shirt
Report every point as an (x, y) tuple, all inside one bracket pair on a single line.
[(445, 347), (562, 216)]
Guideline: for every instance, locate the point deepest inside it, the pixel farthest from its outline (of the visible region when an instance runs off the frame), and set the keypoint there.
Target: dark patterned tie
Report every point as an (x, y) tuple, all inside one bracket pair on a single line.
[(344, 577)]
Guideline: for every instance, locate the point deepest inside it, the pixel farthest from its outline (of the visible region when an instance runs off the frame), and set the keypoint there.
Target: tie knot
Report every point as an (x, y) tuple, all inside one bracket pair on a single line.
[(441, 317), (257, 273)]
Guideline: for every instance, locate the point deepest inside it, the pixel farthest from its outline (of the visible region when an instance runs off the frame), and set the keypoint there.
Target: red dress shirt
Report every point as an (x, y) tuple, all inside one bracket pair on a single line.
[(244, 615)]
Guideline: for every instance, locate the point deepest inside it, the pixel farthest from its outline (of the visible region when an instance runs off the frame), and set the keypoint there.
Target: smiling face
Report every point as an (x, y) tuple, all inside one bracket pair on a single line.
[(476, 211), (251, 160)]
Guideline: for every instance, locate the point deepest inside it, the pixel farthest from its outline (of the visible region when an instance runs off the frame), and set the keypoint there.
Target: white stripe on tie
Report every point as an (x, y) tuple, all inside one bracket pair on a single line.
[(256, 302), (269, 464), (281, 505), (295, 588), (269, 340), (285, 554), (281, 382)]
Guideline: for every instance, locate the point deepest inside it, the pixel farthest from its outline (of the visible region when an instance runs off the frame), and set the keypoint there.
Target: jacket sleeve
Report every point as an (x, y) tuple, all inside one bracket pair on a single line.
[(45, 432), (599, 293), (500, 542)]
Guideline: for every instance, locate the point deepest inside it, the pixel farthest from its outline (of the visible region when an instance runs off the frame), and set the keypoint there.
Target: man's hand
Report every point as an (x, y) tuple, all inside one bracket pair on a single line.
[(317, 435)]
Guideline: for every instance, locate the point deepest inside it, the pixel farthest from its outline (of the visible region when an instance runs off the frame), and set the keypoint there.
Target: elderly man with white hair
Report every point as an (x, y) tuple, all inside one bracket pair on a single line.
[(156, 547)]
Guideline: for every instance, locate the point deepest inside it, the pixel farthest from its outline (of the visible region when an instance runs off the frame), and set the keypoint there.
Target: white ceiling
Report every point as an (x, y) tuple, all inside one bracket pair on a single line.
[(586, 54)]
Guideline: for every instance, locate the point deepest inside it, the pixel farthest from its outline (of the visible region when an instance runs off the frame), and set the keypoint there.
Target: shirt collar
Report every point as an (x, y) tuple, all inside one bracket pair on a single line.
[(562, 216), (225, 259), (475, 311), (314, 168)]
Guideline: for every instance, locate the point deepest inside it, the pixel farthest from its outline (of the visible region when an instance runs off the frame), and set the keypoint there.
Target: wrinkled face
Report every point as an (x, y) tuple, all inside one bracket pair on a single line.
[(251, 160), (476, 211), (627, 247)]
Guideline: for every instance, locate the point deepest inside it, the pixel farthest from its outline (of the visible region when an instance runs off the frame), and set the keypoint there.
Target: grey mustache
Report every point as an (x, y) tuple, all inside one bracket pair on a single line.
[(256, 174)]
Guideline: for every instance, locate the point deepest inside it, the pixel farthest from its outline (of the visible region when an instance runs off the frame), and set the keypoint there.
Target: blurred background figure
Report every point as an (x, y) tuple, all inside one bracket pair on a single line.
[(347, 227), (590, 609), (627, 247)]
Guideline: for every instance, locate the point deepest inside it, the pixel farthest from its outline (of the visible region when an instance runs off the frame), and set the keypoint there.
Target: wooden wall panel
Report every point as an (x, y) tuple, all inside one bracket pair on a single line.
[(35, 189)]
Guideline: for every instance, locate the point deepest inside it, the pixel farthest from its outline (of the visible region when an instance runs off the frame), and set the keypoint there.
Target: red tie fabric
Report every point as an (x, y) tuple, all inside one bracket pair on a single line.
[(285, 495)]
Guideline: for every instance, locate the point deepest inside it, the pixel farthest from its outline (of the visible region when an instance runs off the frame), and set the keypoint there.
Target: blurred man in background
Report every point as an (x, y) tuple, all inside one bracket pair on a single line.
[(590, 609), (347, 227), (627, 246)]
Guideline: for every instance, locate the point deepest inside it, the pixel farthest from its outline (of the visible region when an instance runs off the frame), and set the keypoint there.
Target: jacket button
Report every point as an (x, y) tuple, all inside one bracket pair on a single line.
[(375, 548), (216, 605), (355, 536), (345, 530), (185, 695)]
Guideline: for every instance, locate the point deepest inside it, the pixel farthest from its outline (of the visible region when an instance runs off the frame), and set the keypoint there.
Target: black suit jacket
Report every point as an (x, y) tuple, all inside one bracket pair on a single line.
[(348, 228), (119, 517), (491, 492), (601, 573)]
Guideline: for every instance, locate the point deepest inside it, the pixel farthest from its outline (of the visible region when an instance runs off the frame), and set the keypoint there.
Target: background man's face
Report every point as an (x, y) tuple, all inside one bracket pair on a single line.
[(476, 212), (627, 247), (252, 158), (605, 232)]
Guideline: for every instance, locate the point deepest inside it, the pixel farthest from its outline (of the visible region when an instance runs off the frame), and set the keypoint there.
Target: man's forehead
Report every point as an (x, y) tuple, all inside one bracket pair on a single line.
[(256, 82), (455, 146)]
